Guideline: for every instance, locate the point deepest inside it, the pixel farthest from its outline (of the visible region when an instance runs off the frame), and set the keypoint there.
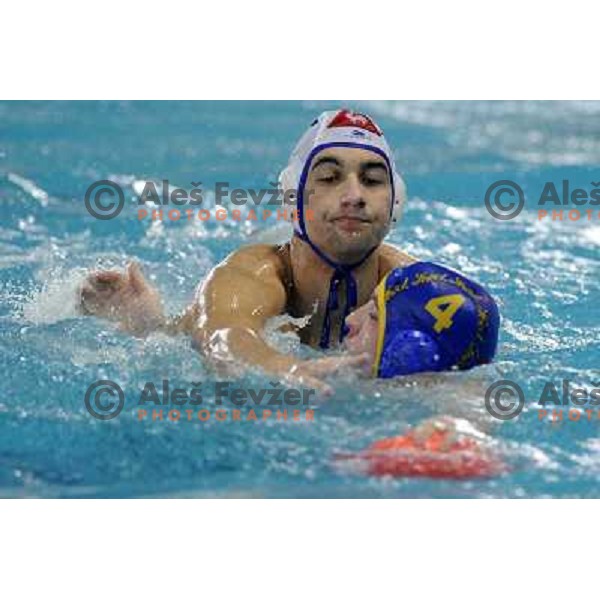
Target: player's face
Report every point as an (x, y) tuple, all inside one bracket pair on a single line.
[(348, 192), (362, 330)]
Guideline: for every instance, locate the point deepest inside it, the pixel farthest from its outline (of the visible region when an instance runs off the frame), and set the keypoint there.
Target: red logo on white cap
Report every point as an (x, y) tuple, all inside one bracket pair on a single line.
[(347, 118)]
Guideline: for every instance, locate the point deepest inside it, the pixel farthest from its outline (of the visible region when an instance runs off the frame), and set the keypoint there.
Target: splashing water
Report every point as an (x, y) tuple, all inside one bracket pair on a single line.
[(545, 275)]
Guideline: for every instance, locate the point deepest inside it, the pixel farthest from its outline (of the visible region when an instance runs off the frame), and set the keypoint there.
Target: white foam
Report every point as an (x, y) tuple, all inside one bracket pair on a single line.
[(30, 187), (592, 234), (55, 301), (277, 234)]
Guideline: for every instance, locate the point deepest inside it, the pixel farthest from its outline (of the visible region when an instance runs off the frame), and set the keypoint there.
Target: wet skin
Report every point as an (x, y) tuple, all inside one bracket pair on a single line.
[(350, 201)]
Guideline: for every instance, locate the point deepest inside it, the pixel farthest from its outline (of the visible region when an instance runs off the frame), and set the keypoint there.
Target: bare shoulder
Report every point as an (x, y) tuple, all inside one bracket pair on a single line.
[(247, 286), (391, 257), (260, 259), (260, 264)]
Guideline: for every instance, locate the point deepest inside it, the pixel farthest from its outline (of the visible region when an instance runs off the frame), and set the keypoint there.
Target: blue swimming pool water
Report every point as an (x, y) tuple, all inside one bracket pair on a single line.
[(546, 277)]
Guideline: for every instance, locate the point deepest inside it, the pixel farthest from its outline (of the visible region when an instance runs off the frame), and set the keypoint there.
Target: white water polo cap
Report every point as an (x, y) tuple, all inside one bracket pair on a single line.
[(345, 129), (342, 129)]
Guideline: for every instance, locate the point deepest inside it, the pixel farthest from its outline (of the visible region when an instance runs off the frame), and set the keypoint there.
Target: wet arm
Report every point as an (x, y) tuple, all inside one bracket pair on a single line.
[(232, 308)]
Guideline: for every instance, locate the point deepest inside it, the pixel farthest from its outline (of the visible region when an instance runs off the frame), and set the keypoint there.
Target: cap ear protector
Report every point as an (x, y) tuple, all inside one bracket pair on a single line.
[(344, 129), (399, 200)]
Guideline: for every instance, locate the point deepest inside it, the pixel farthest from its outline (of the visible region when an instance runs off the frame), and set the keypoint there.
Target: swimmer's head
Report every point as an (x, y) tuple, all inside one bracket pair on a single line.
[(424, 317), (348, 192)]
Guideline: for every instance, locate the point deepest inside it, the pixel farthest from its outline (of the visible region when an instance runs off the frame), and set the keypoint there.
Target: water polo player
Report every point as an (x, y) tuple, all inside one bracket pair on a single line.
[(424, 318), (344, 169)]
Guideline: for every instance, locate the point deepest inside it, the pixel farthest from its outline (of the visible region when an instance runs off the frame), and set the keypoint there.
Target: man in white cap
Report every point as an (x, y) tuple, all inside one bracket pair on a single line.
[(343, 169)]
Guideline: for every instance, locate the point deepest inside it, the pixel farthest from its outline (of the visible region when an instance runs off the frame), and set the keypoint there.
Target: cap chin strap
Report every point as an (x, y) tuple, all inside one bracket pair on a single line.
[(341, 272)]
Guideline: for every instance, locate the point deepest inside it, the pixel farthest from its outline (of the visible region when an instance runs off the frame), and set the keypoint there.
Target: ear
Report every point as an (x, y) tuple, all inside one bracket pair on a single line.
[(287, 180), (288, 184), (399, 197)]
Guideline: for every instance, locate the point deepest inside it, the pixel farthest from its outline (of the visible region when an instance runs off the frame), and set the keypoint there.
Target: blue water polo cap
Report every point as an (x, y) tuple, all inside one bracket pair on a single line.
[(431, 318)]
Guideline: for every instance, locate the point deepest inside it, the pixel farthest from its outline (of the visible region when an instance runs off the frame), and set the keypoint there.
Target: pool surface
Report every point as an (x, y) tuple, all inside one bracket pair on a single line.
[(545, 276)]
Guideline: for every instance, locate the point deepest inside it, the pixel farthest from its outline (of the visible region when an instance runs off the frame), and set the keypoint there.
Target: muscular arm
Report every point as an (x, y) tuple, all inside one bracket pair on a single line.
[(227, 320), (233, 306)]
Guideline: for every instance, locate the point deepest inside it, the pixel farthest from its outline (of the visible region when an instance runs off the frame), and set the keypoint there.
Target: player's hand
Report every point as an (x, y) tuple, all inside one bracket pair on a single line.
[(310, 373), (126, 298)]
